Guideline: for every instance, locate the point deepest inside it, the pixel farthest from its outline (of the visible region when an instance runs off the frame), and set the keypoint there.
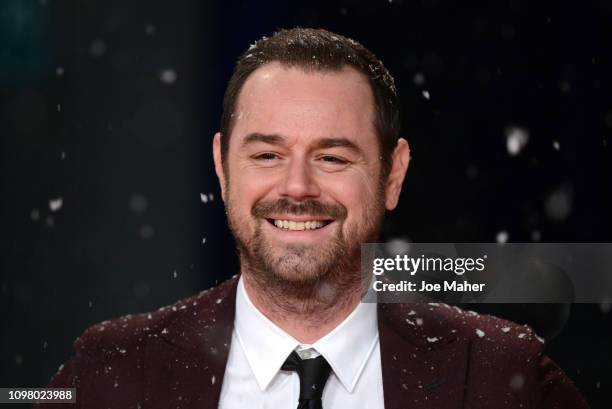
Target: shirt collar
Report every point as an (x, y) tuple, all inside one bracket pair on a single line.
[(266, 346)]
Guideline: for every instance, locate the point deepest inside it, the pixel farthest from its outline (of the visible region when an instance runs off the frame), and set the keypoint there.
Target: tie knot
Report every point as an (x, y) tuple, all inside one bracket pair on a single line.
[(313, 374)]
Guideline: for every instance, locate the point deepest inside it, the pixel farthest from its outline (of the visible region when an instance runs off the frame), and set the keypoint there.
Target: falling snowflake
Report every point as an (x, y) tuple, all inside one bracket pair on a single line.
[(56, 204), (517, 382), (516, 139), (146, 231), (565, 87), (418, 79), (168, 76), (471, 171), (480, 333), (138, 203), (97, 48), (502, 237), (397, 246), (559, 203)]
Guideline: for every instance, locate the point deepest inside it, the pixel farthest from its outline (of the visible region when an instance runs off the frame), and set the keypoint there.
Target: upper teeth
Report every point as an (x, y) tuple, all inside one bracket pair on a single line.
[(291, 225)]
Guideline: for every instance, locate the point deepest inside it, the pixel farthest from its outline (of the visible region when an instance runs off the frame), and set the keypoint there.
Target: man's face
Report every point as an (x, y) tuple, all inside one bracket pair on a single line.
[(302, 180)]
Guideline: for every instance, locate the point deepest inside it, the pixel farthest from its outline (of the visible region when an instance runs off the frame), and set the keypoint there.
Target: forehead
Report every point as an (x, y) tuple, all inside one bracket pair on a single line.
[(306, 105)]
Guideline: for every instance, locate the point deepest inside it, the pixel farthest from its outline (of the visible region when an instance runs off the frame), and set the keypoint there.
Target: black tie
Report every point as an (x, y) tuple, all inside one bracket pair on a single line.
[(313, 374)]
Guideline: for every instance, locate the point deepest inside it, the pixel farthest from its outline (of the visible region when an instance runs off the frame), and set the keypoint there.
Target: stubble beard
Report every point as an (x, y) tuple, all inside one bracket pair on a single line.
[(306, 280)]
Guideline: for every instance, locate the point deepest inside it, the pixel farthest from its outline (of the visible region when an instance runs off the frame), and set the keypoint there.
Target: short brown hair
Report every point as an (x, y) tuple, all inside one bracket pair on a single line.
[(318, 49)]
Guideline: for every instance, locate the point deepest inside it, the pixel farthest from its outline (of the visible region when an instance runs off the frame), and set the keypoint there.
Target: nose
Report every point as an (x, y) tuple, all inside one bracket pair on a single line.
[(299, 182)]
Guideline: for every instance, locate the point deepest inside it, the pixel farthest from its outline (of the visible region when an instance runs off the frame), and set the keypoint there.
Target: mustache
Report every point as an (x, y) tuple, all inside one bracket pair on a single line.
[(312, 207)]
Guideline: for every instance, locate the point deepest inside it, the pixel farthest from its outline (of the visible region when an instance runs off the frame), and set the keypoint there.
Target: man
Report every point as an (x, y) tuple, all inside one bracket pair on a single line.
[(308, 158)]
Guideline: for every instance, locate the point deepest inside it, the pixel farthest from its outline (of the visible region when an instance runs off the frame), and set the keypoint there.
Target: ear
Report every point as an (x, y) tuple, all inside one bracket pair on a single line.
[(218, 163), (393, 186)]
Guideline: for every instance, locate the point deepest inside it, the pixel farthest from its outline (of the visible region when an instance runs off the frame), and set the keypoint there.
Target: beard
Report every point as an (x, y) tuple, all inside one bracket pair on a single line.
[(304, 278)]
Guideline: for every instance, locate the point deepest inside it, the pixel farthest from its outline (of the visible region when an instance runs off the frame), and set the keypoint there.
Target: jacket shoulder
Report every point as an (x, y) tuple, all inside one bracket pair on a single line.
[(133, 329), (121, 341), (506, 361), (432, 324)]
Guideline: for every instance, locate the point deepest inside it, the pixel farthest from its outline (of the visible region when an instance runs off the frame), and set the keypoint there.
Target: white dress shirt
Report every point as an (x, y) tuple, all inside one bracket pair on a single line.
[(253, 378)]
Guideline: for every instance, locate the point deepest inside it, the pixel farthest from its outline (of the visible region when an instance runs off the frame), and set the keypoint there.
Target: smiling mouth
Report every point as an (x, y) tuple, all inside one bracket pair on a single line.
[(292, 225)]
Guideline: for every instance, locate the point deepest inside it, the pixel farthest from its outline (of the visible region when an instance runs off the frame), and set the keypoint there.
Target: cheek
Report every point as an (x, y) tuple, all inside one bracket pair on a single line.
[(245, 189), (354, 194)]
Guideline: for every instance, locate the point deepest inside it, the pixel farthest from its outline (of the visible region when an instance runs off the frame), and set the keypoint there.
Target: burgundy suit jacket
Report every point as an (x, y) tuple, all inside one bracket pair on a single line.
[(433, 356)]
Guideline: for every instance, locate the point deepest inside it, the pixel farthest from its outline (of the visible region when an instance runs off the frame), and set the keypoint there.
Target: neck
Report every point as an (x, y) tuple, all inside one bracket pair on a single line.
[(305, 319)]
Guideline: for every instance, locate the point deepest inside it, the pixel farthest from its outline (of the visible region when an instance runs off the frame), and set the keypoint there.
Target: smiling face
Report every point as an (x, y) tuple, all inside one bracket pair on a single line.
[(301, 182)]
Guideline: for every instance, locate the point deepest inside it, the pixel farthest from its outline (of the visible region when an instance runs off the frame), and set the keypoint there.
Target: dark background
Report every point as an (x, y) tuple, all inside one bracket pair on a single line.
[(111, 106)]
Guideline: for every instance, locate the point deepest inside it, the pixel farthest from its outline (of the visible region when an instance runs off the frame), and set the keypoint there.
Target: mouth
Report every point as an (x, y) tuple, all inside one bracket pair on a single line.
[(299, 225)]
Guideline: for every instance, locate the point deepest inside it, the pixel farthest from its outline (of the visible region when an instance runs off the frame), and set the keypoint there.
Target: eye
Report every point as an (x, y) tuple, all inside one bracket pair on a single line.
[(266, 156), (333, 160)]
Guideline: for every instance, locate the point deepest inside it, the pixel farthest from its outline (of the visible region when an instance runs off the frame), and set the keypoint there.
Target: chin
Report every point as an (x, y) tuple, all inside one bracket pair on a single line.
[(293, 267)]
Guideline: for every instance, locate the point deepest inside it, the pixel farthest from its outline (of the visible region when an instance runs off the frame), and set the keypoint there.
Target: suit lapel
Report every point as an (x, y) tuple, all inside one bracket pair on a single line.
[(185, 364), (424, 363)]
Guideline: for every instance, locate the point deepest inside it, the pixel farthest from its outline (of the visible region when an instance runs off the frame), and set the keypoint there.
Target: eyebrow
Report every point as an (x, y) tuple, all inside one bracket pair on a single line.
[(323, 143), (259, 137)]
